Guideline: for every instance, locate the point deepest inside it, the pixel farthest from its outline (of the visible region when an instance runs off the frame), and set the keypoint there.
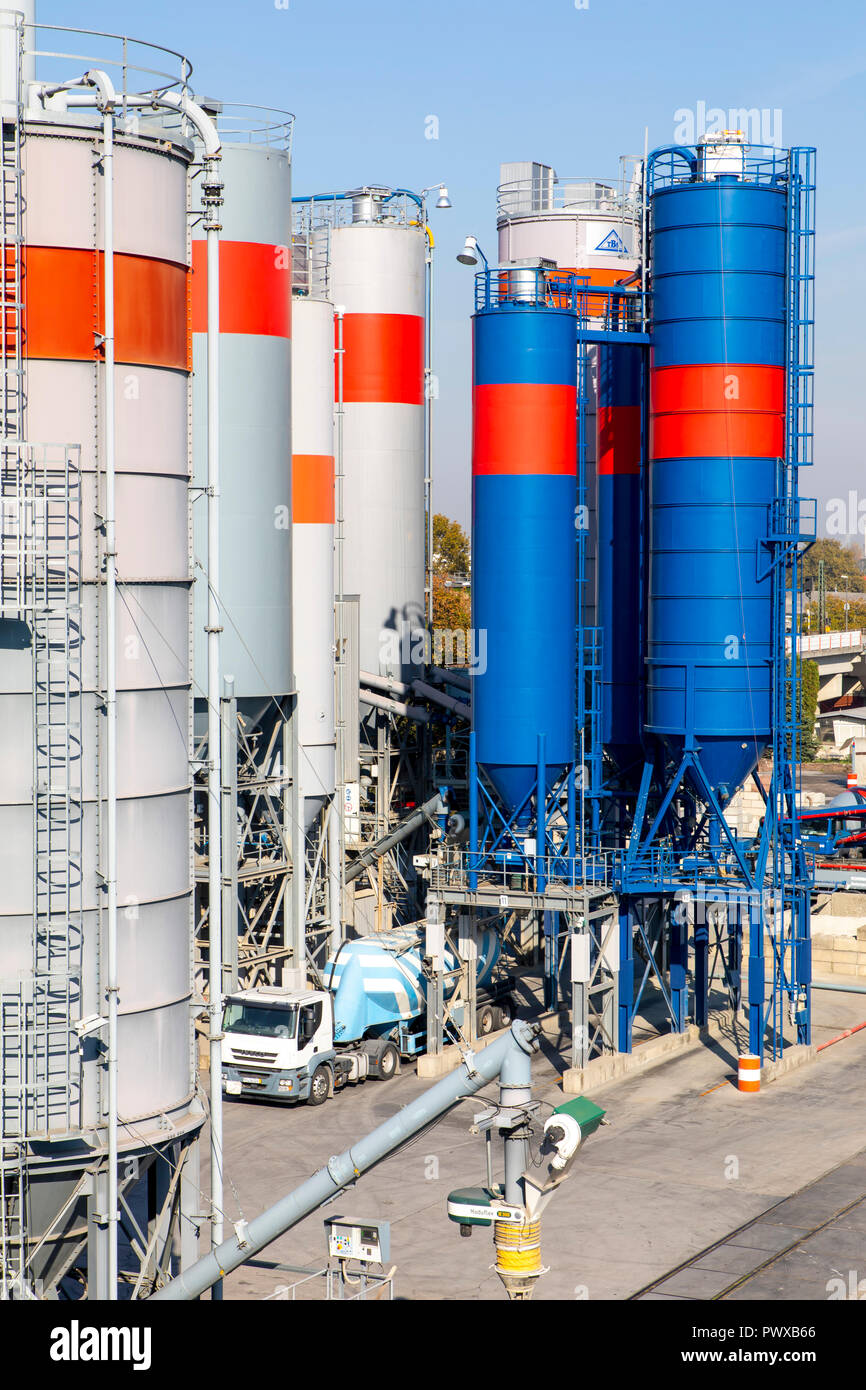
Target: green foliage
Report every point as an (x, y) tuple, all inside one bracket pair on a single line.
[(450, 548), (841, 566), (809, 681)]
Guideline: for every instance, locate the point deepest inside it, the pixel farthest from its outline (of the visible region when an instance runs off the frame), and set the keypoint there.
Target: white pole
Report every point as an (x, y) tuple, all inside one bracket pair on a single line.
[(215, 868), (111, 687), (337, 840)]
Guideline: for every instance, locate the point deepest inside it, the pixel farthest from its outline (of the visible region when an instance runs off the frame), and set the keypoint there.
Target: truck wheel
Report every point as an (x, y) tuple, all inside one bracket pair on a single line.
[(484, 1021), (389, 1059), (505, 1013), (320, 1086)]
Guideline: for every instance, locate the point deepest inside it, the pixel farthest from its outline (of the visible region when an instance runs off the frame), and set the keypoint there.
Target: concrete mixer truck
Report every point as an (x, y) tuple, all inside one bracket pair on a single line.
[(296, 1045)]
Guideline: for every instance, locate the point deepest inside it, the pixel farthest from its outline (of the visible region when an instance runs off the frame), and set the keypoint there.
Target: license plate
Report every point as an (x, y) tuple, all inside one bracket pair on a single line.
[(233, 1088), (254, 1081)]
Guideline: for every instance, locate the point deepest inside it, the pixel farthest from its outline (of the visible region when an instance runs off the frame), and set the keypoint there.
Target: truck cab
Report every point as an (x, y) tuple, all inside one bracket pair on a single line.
[(279, 1043)]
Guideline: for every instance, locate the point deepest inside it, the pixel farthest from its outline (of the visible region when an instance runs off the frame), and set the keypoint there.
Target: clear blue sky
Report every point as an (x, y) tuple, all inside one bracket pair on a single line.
[(545, 80)]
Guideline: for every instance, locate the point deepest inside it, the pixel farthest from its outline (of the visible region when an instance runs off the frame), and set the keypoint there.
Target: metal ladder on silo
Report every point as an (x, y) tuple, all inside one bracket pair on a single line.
[(11, 246), (53, 1082), (13, 1172), (13, 603)]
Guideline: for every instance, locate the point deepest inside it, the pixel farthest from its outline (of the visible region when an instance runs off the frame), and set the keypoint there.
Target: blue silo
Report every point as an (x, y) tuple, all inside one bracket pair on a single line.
[(717, 392), (618, 454), (524, 466)]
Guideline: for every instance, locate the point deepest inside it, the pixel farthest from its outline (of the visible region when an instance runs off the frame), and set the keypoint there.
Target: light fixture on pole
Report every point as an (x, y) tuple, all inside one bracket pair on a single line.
[(443, 201), (471, 253)]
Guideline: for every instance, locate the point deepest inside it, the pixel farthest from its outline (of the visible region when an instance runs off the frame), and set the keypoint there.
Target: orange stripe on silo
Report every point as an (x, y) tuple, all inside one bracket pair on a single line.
[(150, 299), (383, 359), (524, 428), (706, 435), (313, 488), (724, 386), (720, 410), (255, 288), (63, 307)]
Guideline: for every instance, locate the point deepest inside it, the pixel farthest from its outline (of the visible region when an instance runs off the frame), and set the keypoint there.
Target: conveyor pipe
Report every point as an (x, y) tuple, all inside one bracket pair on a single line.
[(438, 697), (394, 837), (427, 692), (511, 1055)]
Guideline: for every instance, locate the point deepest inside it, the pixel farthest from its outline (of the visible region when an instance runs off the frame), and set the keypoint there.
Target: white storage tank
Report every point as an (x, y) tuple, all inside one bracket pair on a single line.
[(313, 545), (255, 578), (374, 243), (53, 676)]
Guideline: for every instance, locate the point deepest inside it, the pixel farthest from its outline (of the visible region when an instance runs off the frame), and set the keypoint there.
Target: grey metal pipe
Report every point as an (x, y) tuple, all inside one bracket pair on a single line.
[(444, 677), (394, 837), (839, 989), (437, 697), (386, 683), (249, 1239), (427, 692), (515, 1089), (413, 712)]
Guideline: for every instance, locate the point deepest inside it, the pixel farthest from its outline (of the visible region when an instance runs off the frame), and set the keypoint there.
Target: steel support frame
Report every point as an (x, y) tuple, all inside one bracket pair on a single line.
[(262, 934)]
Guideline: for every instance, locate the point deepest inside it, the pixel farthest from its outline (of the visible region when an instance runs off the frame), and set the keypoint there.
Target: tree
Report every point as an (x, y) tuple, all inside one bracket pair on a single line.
[(841, 566), (451, 608), (809, 683), (450, 548), (837, 620)]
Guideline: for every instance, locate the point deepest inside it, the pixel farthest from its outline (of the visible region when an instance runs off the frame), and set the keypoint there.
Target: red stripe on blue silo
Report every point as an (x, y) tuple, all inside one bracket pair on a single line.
[(524, 428), (618, 439), (255, 288), (718, 410), (383, 360)]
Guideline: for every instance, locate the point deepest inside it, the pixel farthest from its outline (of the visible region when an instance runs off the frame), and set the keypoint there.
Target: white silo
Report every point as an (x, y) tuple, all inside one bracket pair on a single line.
[(375, 245), (313, 546), (254, 583), (65, 800), (262, 901)]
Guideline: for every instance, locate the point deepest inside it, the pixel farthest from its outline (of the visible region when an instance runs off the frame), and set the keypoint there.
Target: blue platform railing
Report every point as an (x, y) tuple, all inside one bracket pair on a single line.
[(612, 309), (678, 164)]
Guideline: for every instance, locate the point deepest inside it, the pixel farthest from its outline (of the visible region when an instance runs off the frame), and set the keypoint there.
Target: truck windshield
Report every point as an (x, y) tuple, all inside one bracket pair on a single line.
[(260, 1019)]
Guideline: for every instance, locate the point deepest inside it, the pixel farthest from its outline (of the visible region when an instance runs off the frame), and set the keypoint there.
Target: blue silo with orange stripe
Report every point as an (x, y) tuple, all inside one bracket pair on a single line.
[(717, 429), (524, 490), (618, 455)]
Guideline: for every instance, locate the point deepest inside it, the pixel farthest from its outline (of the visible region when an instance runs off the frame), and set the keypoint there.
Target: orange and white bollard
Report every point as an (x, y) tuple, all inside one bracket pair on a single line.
[(749, 1073), (852, 780)]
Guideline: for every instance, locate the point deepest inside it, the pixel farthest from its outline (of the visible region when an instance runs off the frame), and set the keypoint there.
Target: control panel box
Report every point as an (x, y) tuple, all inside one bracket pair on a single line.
[(350, 1238)]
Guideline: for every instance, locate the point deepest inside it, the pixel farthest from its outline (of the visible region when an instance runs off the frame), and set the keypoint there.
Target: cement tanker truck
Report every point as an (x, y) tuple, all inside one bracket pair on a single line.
[(304, 1045)]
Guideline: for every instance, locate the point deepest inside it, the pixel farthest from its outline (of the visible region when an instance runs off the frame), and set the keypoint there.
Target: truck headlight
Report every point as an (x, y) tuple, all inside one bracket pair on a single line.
[(285, 1085)]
